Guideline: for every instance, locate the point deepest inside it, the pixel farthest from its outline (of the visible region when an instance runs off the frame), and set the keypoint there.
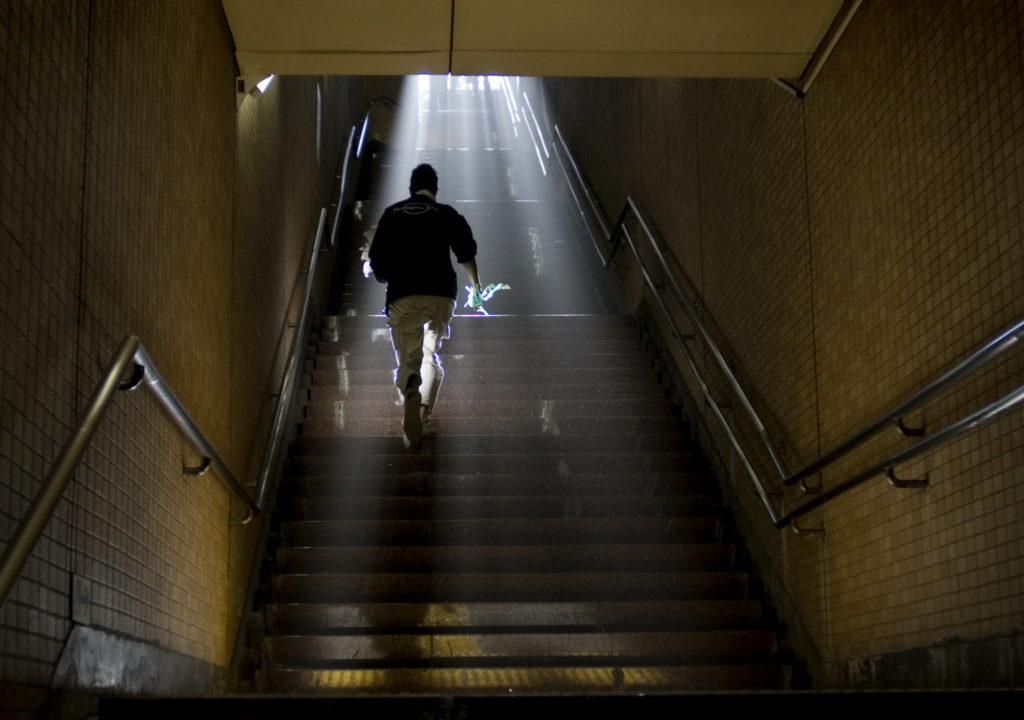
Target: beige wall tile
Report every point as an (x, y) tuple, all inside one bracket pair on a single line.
[(847, 248)]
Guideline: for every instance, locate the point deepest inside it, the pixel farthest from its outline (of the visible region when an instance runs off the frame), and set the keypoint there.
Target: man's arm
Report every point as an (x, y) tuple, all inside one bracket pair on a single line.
[(471, 270), (377, 252)]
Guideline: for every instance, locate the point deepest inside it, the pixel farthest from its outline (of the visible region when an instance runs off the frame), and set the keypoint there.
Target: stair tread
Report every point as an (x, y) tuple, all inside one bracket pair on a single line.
[(461, 344), (457, 405), (563, 463), (498, 392), (508, 586), (385, 423), (457, 485), (666, 647), (330, 357), (492, 444), (503, 507), (506, 558), (499, 531), (524, 680), (458, 375), (383, 617), (479, 326)]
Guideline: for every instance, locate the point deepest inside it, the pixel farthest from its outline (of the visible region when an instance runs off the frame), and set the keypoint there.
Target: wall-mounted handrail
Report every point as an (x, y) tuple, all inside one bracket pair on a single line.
[(153, 380), (633, 209), (342, 182), (290, 378), (131, 356), (595, 205), (947, 434), (291, 373), (990, 350), (820, 57), (691, 361)]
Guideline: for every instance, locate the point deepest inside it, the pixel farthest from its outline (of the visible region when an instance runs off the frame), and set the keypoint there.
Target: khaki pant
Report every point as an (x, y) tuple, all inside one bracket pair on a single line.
[(419, 323)]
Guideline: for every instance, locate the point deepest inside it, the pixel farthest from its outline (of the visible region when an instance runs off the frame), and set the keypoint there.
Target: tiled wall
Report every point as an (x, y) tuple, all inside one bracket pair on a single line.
[(136, 198), (42, 166), (848, 247)]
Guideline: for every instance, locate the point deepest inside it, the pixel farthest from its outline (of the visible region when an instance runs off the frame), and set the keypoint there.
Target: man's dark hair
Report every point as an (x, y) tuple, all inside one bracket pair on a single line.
[(424, 177)]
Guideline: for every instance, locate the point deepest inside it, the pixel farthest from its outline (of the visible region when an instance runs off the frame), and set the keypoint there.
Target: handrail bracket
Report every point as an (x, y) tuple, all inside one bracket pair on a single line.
[(132, 381), (197, 470), (809, 489), (811, 532), (908, 431), (915, 484)]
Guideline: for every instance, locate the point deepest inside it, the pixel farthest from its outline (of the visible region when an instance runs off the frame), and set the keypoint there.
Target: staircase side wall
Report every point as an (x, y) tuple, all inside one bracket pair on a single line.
[(848, 247), (136, 197)]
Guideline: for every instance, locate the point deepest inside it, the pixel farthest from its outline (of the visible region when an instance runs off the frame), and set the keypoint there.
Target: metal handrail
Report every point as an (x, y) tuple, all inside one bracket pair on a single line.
[(691, 361), (691, 309), (342, 182), (291, 372), (591, 198), (947, 434), (991, 349), (988, 351), (131, 356)]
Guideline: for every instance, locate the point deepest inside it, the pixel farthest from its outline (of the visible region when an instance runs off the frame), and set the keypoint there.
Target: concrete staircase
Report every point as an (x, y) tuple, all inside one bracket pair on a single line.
[(556, 536)]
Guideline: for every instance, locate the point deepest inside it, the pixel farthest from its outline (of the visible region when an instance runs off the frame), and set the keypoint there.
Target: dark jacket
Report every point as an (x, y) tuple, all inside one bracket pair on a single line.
[(412, 248)]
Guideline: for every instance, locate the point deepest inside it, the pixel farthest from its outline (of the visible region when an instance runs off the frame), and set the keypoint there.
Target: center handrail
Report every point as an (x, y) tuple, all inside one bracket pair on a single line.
[(986, 353), (342, 185), (620, 230), (289, 379)]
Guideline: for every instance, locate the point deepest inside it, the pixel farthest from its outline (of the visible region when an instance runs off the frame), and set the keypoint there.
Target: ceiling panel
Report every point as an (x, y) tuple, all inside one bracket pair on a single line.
[(685, 38)]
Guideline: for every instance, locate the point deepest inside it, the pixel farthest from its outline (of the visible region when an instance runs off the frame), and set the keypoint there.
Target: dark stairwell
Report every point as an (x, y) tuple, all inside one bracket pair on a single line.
[(557, 536)]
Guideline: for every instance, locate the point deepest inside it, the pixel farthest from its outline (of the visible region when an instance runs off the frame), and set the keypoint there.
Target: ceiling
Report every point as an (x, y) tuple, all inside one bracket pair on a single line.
[(598, 38)]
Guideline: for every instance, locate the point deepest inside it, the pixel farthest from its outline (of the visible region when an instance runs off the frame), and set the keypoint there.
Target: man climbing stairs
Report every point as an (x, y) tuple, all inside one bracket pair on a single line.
[(557, 534)]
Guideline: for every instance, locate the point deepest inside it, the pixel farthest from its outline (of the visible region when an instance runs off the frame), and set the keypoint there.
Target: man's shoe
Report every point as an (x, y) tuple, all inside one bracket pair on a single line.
[(412, 425)]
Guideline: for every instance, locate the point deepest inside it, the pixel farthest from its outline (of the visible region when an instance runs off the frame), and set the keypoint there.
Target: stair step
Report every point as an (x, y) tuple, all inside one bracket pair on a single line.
[(482, 329), (385, 617), (499, 507), (489, 464), (336, 343), (500, 393), (716, 647), (461, 376), (322, 425), (380, 359), (443, 485), (508, 587), (490, 445), (508, 322), (506, 558), (520, 680), (571, 531), (480, 339), (453, 404)]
